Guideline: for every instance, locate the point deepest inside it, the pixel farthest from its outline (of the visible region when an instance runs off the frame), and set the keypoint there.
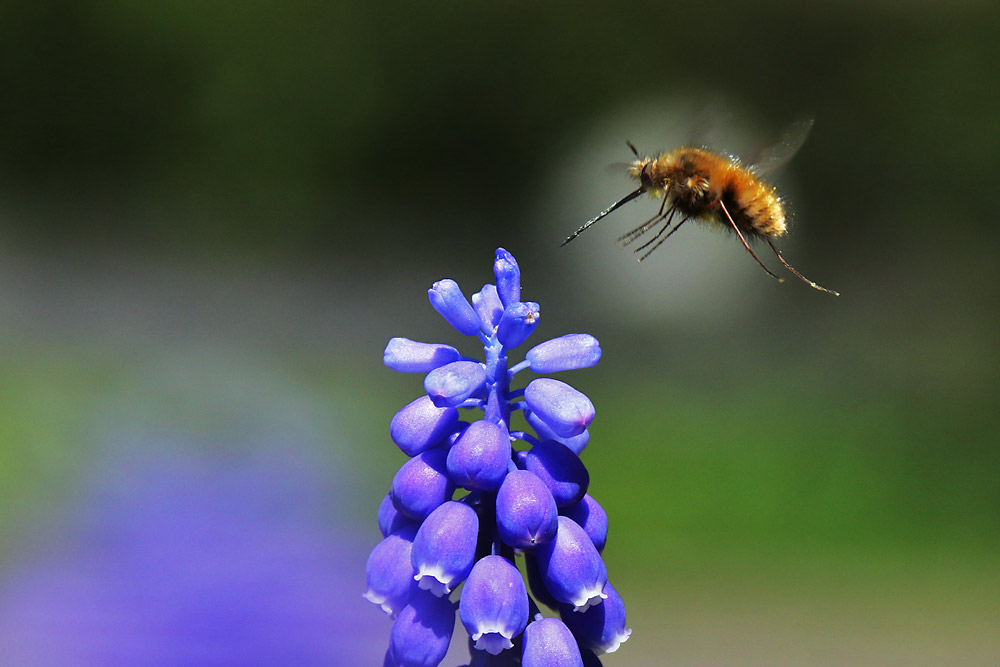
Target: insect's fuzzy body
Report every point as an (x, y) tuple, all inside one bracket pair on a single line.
[(695, 181), (697, 184)]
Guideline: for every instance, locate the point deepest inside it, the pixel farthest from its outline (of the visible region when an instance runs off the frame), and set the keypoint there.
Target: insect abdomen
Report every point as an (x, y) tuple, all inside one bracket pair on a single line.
[(754, 206)]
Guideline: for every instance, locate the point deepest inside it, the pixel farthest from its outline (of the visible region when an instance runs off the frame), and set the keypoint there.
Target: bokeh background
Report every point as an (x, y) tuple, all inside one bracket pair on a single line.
[(214, 215)]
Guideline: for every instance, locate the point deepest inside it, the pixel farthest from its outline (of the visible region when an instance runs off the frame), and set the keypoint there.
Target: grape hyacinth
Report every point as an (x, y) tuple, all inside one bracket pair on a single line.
[(475, 494)]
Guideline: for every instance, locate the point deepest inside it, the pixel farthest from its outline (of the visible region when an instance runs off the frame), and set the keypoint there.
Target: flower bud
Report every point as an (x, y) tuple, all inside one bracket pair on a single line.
[(565, 410), (390, 520), (389, 572), (451, 384), (518, 321), (487, 305), (409, 356), (577, 442), (494, 604), (560, 470), (444, 548), (601, 628), (592, 518), (508, 277), (421, 484), (447, 298), (421, 425), (422, 631), (549, 643), (565, 353), (526, 512), (571, 568), (479, 458)]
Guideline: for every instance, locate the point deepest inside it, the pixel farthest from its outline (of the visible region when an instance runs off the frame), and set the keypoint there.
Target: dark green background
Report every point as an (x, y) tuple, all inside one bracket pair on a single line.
[(792, 478)]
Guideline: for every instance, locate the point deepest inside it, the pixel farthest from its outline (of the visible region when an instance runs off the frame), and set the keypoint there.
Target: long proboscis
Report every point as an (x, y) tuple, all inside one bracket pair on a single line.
[(614, 207)]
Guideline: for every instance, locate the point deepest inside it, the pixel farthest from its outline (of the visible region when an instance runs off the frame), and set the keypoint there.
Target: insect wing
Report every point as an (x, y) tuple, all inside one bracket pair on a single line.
[(784, 149)]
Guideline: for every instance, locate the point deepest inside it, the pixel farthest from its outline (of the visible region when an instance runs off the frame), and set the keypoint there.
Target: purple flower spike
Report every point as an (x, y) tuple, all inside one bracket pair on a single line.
[(494, 604), (447, 298), (601, 628), (577, 443), (526, 512), (479, 458), (486, 303), (508, 276), (422, 484), (549, 643), (531, 500), (409, 356), (452, 384), (421, 425), (565, 353), (592, 518), (571, 568), (390, 520), (565, 410), (560, 469), (422, 631), (444, 548), (517, 323), (390, 574)]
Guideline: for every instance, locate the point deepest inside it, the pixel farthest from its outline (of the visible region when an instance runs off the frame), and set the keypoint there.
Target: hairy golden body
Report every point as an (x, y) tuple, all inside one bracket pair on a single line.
[(695, 181), (697, 184)]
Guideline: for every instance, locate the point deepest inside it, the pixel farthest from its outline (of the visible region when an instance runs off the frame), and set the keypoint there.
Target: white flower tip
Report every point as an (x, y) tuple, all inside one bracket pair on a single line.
[(493, 643), (617, 641), (430, 582), (586, 603), (381, 601)]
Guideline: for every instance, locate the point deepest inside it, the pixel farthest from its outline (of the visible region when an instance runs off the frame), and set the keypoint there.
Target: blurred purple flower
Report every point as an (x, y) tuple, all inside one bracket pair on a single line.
[(174, 556)]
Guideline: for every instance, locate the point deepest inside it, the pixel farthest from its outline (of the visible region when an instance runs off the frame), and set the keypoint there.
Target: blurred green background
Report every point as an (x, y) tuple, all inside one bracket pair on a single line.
[(792, 478)]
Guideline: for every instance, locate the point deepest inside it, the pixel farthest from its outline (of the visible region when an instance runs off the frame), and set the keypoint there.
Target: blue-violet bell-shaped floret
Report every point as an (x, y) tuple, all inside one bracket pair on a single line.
[(444, 548), (422, 484), (409, 356), (518, 321), (422, 631), (560, 469), (508, 277), (601, 628), (391, 520), (571, 568), (390, 573), (549, 643), (565, 410), (577, 442), (486, 303), (592, 518), (447, 298), (451, 384), (565, 353), (421, 425), (494, 604), (480, 456), (526, 511)]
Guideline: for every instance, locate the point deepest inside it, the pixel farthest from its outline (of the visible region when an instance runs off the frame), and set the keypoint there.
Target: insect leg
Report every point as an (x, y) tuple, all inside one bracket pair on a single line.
[(625, 239), (658, 243), (746, 245), (792, 269), (665, 227)]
